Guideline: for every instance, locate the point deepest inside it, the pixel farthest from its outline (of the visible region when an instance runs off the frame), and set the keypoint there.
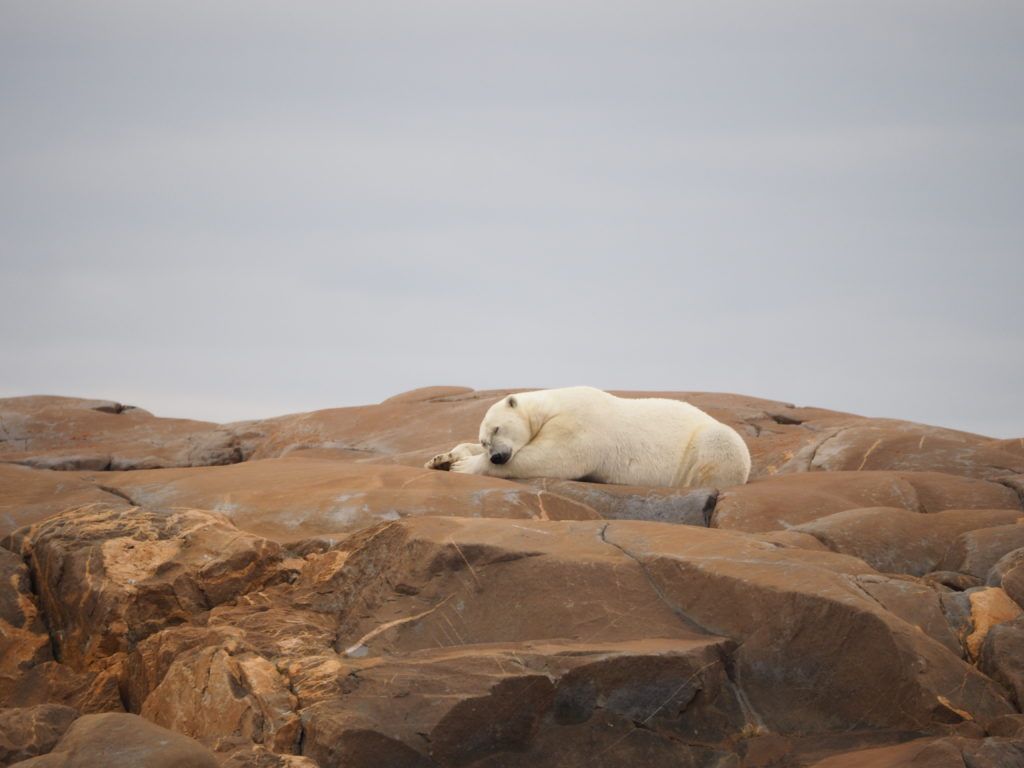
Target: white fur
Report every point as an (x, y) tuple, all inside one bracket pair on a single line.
[(583, 433)]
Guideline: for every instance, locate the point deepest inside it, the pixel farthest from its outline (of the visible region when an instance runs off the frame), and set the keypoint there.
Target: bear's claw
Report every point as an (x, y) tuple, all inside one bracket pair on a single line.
[(442, 461)]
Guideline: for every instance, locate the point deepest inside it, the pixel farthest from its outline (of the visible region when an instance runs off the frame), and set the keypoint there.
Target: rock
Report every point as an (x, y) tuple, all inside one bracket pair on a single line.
[(900, 541), (779, 503), (989, 607), (122, 741), (760, 598), (540, 704), (66, 433), (1002, 656), (953, 580), (915, 603), (1008, 572), (710, 581), (976, 552), (934, 753), (901, 445), (922, 753), (109, 576), (258, 756), (687, 506), (29, 495), (292, 498), (24, 642), (295, 592), (994, 753), (32, 731), (1015, 483), (253, 703), (1007, 727)]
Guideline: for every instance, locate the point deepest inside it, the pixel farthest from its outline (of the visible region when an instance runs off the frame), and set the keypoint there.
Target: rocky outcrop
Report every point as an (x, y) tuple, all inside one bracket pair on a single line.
[(122, 741), (300, 593)]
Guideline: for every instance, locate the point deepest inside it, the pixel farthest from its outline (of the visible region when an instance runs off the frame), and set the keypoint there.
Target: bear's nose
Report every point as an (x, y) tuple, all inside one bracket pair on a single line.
[(500, 458)]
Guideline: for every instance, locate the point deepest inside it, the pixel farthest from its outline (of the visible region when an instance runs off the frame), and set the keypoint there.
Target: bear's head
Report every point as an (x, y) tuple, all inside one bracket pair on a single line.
[(505, 429)]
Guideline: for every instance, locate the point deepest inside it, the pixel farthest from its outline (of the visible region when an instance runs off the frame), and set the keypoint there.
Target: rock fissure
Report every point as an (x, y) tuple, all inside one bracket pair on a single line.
[(684, 617)]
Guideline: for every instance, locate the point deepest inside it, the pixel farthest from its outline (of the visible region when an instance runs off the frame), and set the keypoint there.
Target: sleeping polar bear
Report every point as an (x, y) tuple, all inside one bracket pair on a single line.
[(582, 433)]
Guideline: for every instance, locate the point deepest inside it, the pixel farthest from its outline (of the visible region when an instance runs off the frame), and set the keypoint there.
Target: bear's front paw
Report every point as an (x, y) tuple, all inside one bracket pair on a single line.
[(470, 465), (442, 461)]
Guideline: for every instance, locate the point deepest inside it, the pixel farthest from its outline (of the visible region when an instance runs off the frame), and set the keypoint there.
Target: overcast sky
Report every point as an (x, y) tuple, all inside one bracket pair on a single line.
[(227, 210)]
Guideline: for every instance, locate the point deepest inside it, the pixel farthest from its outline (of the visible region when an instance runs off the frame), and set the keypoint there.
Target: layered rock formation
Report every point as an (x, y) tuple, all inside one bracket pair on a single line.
[(300, 592)]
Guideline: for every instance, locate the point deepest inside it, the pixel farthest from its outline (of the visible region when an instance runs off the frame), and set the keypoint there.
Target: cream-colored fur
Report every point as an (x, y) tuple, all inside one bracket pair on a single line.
[(582, 433)]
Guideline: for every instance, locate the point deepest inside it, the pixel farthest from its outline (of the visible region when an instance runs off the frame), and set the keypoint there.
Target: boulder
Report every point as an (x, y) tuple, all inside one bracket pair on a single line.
[(67, 433), (31, 731), (901, 445), (780, 503), (976, 552), (122, 741), (109, 576), (1002, 657), (1008, 573), (24, 641), (898, 540)]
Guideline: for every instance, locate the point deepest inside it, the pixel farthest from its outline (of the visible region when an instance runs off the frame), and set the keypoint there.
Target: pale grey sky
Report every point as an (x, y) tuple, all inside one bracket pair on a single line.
[(239, 209)]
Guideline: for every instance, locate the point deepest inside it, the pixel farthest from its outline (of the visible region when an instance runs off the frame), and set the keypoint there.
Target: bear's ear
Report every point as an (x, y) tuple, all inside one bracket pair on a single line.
[(512, 401)]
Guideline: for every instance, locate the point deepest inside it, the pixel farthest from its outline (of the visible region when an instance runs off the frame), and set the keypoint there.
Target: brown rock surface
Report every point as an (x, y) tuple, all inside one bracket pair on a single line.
[(1008, 573), (324, 601), (69, 433), (298, 497), (122, 741), (29, 495), (901, 541), (686, 506), (976, 552), (30, 731), (901, 445), (1002, 656), (779, 503), (109, 576)]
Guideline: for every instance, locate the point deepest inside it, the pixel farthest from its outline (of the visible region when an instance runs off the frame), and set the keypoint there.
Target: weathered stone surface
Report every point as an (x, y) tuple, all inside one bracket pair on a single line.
[(934, 753), (779, 503), (23, 638), (328, 602), (258, 756), (1008, 573), (122, 741), (29, 495), (989, 608), (1002, 657), (686, 506), (953, 580), (765, 599), (900, 541), (976, 552), (482, 707), (709, 581), (917, 604), (252, 701), (68, 433), (901, 445), (293, 498), (31, 731), (109, 576), (1007, 726)]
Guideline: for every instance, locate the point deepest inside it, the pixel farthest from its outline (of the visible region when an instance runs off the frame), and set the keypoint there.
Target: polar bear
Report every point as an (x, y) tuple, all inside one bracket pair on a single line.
[(582, 433)]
